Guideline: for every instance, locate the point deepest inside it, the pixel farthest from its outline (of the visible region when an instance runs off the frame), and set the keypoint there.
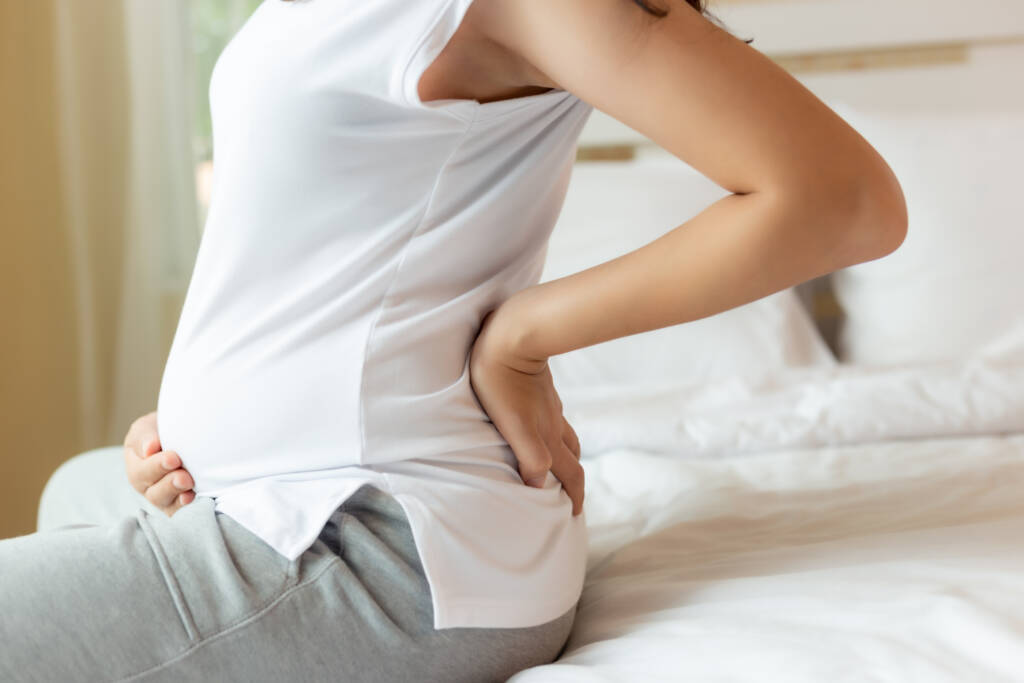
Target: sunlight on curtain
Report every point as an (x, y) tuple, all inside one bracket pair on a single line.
[(98, 195), (39, 397), (163, 230), (124, 79)]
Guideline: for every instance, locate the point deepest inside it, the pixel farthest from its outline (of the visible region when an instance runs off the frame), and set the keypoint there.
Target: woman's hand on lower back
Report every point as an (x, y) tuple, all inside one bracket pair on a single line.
[(153, 472), (519, 396)]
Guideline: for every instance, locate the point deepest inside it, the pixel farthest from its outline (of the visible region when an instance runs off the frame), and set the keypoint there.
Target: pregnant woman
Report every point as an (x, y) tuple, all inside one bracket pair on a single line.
[(381, 484)]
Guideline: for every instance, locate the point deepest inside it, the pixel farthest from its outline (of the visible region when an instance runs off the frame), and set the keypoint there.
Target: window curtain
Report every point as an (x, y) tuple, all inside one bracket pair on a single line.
[(101, 250)]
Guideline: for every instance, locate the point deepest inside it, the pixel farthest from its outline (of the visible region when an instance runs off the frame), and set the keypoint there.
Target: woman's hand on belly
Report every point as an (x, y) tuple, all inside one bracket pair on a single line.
[(153, 472), (519, 396)]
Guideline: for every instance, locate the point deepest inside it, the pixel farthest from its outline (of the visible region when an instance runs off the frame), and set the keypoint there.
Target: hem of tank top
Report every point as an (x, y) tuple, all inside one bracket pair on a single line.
[(449, 608), (417, 542), (464, 612), (450, 611), (293, 550)]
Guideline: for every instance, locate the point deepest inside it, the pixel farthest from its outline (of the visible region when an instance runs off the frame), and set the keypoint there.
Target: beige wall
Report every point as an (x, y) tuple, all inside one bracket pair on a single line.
[(41, 359), (38, 414)]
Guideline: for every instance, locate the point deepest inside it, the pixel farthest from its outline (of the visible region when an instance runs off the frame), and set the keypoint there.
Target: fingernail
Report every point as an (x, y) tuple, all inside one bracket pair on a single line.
[(536, 482), (167, 463)]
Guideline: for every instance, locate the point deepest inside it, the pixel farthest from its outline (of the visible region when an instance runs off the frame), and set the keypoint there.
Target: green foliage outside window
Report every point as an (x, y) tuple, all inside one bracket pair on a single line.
[(214, 22)]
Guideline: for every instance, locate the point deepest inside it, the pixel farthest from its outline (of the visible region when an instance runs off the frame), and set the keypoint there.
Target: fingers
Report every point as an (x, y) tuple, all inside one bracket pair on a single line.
[(534, 460), (142, 435), (168, 491), (538, 456), (150, 445), (184, 498), (566, 466), (570, 438), (155, 474), (143, 473), (181, 501), (141, 442)]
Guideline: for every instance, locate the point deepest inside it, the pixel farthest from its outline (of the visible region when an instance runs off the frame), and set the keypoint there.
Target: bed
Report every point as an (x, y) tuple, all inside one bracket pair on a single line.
[(826, 484), (895, 558)]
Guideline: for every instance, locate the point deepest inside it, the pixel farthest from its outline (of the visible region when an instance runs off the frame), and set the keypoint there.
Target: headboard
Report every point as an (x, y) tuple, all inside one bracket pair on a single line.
[(907, 56)]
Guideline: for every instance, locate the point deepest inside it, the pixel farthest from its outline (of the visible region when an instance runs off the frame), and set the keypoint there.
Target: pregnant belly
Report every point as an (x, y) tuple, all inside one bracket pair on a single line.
[(232, 423)]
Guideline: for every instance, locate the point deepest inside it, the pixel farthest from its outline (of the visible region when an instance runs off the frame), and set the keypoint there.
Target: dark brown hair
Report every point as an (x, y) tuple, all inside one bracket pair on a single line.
[(699, 5), (659, 12)]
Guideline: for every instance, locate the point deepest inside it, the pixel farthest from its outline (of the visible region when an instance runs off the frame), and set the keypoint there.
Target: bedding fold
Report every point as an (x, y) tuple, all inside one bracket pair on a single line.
[(803, 408)]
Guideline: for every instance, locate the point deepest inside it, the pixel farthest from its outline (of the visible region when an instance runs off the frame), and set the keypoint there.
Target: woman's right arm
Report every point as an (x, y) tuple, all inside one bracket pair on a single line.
[(811, 195)]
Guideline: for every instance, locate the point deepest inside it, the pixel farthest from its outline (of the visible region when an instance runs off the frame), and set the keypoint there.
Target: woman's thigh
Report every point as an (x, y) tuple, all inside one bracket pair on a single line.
[(103, 603), (199, 597)]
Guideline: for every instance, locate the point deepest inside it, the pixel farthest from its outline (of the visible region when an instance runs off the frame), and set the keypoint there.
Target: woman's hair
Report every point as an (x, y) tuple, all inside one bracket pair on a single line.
[(659, 12), (699, 5)]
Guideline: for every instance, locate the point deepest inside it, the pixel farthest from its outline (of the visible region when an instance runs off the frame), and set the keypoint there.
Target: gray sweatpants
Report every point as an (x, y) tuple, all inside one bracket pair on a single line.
[(197, 597)]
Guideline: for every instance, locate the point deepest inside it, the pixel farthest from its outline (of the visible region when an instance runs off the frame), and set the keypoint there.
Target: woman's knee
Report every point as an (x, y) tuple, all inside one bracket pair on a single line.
[(88, 488)]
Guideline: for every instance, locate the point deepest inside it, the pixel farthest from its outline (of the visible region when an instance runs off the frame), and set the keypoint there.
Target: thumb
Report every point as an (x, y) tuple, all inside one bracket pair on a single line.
[(150, 445)]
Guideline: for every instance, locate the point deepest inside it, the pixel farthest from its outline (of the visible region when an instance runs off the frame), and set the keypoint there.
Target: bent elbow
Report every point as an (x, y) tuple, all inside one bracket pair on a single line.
[(878, 233), (876, 223)]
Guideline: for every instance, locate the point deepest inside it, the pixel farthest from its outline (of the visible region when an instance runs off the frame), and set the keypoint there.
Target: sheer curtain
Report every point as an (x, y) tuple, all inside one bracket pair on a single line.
[(124, 76), (99, 225)]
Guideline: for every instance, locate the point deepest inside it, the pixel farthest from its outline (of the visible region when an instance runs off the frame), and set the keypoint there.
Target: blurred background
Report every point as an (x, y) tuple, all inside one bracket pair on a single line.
[(104, 181), (105, 170)]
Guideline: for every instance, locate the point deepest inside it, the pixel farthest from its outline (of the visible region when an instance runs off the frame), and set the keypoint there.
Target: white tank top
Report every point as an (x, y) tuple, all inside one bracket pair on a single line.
[(356, 237)]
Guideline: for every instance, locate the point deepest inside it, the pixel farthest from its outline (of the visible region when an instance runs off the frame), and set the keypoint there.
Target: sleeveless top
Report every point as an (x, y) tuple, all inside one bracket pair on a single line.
[(356, 238)]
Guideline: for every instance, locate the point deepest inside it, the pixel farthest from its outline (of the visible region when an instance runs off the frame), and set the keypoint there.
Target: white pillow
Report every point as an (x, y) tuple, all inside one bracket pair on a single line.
[(612, 208), (956, 284)]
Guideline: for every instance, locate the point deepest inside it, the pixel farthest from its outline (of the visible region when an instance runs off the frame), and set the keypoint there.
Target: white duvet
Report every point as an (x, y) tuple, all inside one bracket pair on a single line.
[(846, 524)]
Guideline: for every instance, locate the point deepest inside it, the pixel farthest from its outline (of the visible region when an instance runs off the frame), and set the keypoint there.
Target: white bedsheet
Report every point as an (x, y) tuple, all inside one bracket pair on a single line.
[(849, 525), (895, 561)]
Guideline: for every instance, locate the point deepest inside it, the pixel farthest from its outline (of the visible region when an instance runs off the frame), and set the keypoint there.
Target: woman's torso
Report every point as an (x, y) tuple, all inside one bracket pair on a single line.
[(355, 239)]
